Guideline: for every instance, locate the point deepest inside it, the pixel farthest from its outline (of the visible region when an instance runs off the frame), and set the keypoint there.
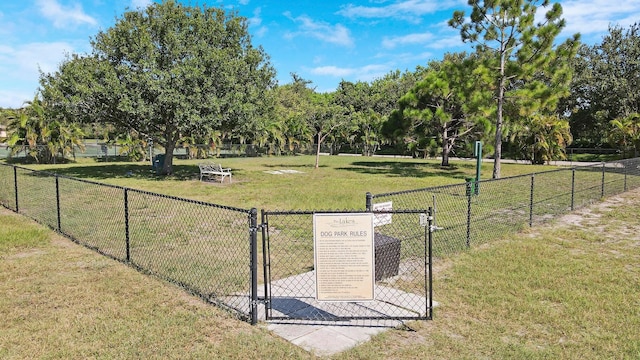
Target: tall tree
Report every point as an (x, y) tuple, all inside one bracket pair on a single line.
[(605, 85), (358, 104), (326, 118), (445, 106), (292, 108), (519, 49), (171, 71)]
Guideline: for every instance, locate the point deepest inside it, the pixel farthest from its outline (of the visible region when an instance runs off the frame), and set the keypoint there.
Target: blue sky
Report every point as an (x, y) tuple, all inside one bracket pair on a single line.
[(324, 41)]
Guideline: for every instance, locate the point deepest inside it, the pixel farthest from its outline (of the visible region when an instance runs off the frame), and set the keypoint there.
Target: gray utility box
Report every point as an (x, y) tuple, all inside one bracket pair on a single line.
[(387, 256)]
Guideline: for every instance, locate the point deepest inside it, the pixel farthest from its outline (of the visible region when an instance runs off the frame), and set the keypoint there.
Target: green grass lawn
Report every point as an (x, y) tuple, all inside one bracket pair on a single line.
[(528, 292), (567, 291), (340, 182)]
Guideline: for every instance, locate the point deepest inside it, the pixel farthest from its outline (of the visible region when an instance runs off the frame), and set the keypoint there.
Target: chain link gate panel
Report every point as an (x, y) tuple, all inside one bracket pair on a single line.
[(402, 288)]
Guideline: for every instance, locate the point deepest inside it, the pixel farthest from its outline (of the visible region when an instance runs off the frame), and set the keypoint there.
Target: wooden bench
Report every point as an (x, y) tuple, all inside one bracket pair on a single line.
[(208, 170)]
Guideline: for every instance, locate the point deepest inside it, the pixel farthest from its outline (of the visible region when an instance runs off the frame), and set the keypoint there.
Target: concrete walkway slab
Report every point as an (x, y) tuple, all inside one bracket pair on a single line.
[(322, 328)]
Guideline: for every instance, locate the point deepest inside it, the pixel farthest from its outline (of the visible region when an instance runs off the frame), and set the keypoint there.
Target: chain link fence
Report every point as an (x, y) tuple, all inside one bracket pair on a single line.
[(204, 248), (113, 151), (211, 250), (477, 212), (104, 151)]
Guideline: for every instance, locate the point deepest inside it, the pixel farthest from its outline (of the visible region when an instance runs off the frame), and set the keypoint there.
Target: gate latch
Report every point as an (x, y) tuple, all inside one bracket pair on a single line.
[(257, 228), (424, 219)]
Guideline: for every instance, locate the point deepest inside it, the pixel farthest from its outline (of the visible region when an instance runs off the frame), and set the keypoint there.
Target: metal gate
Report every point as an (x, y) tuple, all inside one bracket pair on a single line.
[(402, 267)]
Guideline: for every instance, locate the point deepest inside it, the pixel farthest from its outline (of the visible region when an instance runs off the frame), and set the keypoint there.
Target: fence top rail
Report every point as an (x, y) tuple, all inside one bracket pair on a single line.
[(445, 187), (197, 202), (312, 212), (426, 189)]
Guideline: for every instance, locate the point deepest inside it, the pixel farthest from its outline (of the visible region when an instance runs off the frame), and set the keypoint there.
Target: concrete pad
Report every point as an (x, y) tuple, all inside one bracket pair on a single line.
[(321, 328), (324, 342)]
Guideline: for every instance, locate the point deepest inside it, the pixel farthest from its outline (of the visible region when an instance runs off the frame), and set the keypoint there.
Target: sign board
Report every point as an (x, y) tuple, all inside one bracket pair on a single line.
[(344, 256), (382, 219)]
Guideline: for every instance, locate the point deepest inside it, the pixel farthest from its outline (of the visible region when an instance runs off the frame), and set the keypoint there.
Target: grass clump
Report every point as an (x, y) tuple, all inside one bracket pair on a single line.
[(14, 236)]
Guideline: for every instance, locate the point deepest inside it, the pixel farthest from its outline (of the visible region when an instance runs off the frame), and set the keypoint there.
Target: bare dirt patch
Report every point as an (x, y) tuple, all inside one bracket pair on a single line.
[(591, 215)]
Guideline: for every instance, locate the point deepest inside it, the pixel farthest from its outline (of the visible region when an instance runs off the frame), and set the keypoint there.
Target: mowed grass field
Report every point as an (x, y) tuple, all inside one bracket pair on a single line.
[(568, 290), (340, 182)]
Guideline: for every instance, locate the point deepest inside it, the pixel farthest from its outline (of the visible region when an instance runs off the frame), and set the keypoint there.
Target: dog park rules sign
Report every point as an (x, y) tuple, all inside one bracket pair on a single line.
[(344, 256)]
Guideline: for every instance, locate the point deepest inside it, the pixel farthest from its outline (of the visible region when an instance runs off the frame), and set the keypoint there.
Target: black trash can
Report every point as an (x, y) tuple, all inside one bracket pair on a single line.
[(158, 163), (387, 256)]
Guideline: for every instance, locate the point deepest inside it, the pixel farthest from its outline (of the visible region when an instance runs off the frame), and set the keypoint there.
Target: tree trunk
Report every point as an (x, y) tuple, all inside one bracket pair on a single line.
[(318, 151), (498, 145), (167, 166), (446, 148)]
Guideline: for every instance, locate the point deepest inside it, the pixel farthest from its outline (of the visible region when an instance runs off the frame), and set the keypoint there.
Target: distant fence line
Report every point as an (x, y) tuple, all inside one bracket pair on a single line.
[(211, 250), (473, 213), (110, 151), (113, 151)]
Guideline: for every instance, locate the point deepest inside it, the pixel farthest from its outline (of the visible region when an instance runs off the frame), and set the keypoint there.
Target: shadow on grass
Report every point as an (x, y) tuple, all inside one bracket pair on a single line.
[(30, 160), (132, 171), (408, 169)]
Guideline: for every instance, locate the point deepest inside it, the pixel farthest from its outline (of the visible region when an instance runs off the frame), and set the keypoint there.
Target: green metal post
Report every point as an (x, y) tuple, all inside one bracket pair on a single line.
[(478, 154)]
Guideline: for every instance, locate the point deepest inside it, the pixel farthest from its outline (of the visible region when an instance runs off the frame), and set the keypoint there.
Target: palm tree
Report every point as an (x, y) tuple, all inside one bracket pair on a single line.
[(543, 138), (271, 133), (40, 135), (626, 132)]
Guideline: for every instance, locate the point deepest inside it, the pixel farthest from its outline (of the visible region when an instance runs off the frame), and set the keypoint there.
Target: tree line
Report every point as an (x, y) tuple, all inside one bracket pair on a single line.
[(178, 75)]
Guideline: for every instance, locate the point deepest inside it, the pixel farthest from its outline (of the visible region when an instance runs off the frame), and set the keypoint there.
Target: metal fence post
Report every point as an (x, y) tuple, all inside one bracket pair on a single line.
[(369, 202), (266, 261), (126, 224), (430, 257), (625, 176), (253, 237), (573, 188), (15, 186), (531, 201), (469, 192), (602, 188), (58, 202)]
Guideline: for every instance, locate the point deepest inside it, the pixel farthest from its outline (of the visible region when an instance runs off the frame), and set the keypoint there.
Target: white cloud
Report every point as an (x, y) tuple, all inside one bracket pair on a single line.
[(599, 8), (255, 21), (334, 34), (447, 42), (28, 58), (332, 71), (20, 66), (410, 10), (364, 73), (14, 99), (595, 16), (243, 2), (411, 39), (64, 16), (406, 57), (140, 4)]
